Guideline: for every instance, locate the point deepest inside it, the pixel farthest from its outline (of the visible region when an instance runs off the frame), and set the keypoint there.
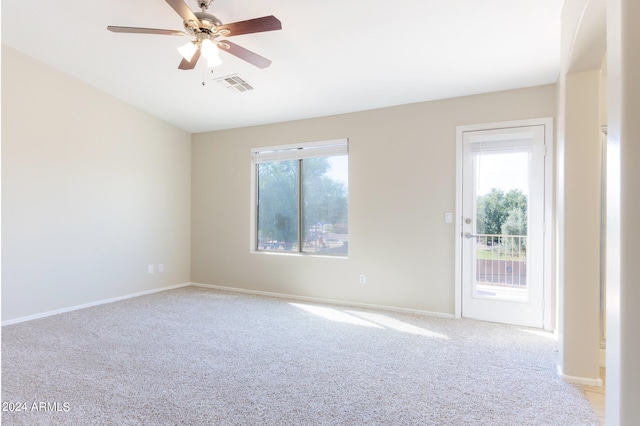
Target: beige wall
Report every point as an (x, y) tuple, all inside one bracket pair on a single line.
[(401, 181), (623, 211), (578, 184), (580, 318), (93, 191)]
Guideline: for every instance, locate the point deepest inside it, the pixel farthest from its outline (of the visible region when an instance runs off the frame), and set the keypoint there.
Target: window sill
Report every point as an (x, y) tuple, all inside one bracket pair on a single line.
[(284, 253)]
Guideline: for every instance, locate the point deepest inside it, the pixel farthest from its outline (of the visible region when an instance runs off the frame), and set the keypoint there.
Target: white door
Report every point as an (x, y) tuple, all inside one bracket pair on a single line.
[(502, 230)]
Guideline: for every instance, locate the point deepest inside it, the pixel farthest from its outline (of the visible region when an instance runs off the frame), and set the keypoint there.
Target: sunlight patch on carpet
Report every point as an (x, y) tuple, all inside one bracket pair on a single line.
[(540, 333), (335, 315), (367, 319), (398, 325)]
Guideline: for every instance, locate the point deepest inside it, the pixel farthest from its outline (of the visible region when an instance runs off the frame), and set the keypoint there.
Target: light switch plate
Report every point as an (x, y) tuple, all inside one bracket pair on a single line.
[(448, 217)]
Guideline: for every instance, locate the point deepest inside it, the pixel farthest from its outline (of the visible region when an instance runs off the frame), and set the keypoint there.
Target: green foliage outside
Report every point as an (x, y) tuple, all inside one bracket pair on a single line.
[(324, 200), (496, 208), (278, 201), (499, 253), (503, 214)]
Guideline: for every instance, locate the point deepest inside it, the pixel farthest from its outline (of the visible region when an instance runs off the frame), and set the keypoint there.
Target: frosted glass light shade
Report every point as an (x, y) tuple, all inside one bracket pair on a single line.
[(210, 51), (188, 50)]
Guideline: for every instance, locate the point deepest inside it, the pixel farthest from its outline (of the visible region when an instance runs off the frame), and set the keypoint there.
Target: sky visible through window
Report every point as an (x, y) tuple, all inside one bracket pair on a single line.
[(339, 169), (503, 171)]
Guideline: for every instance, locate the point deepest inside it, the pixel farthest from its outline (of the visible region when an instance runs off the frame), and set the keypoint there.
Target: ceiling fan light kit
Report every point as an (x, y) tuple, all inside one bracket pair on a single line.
[(210, 52), (206, 29), (188, 50)]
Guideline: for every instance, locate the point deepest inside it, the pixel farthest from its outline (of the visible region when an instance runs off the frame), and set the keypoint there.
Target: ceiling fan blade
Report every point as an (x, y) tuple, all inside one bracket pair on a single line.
[(189, 65), (185, 12), (257, 25), (144, 30), (244, 54)]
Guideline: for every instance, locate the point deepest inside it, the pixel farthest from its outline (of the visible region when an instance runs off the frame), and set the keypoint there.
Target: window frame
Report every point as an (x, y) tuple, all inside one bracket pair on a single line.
[(299, 152)]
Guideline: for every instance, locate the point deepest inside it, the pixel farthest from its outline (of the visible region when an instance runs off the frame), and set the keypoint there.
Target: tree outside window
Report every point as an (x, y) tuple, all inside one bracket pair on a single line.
[(303, 204)]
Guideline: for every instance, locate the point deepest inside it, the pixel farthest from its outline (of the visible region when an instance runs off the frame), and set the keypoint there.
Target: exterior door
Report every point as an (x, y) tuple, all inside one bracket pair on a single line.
[(502, 238)]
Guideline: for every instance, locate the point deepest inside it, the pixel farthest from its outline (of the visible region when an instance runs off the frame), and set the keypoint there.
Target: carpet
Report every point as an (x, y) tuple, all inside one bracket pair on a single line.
[(196, 356)]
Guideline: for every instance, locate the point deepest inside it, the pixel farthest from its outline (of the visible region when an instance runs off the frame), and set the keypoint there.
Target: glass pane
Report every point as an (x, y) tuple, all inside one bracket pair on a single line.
[(278, 206), (501, 196), (325, 201)]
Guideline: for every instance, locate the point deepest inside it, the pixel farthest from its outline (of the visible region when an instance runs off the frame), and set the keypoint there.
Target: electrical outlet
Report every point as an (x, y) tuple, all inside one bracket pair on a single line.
[(363, 279), (160, 267), (151, 269)]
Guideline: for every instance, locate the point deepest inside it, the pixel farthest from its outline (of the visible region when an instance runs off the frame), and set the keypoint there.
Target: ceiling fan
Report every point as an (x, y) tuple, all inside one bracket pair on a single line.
[(206, 30)]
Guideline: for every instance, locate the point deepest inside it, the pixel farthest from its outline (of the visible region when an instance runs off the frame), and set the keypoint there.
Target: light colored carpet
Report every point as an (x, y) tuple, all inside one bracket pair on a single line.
[(195, 356)]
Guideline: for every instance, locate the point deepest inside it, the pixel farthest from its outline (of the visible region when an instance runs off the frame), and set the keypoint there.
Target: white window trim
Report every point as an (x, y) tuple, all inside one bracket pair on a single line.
[(301, 151)]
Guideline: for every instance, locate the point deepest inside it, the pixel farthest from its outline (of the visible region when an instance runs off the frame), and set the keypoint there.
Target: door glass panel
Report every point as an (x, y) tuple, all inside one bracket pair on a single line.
[(501, 188)]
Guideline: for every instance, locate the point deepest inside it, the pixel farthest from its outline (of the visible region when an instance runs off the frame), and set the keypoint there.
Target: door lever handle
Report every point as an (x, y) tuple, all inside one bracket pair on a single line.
[(470, 235)]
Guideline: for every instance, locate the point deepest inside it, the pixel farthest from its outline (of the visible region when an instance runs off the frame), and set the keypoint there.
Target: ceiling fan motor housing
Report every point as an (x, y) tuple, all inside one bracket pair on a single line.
[(208, 23)]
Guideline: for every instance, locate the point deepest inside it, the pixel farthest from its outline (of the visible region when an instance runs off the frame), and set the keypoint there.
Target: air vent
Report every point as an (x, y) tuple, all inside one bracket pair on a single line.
[(235, 83)]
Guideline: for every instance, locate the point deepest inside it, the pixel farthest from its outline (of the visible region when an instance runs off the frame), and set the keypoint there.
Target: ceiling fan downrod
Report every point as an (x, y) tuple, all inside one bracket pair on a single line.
[(204, 4)]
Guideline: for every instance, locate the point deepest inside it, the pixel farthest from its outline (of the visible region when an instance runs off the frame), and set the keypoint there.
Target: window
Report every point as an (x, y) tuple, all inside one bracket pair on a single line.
[(302, 198)]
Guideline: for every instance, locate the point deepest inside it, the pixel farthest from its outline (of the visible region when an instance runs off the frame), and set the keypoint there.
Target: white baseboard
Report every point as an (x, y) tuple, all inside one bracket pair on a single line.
[(90, 304), (579, 380), (325, 301)]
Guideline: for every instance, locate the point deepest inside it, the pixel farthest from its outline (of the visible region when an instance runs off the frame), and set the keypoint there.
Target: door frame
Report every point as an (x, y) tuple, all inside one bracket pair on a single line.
[(548, 301)]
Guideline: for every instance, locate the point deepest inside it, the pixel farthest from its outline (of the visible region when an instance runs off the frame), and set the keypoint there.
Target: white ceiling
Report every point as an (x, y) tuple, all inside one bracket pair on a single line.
[(331, 57)]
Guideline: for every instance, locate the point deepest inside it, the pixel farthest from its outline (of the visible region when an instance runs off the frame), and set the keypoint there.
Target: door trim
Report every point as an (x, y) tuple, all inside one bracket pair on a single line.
[(549, 317)]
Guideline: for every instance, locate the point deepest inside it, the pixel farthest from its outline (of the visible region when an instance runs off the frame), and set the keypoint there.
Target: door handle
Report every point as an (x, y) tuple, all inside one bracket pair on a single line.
[(470, 235)]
